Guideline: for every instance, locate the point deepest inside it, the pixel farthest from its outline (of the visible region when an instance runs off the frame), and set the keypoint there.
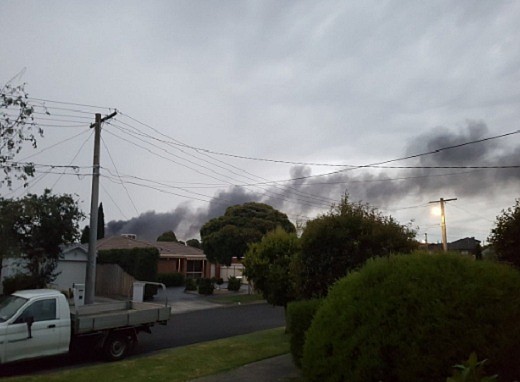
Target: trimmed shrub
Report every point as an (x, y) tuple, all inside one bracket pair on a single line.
[(299, 318), (206, 286), (191, 284), (174, 279), (20, 281), (234, 284), (411, 318)]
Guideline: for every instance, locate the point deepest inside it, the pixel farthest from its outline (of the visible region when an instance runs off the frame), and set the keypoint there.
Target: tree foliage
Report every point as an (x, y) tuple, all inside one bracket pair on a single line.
[(505, 237), (343, 239), (85, 233), (101, 222), (229, 235), (35, 227), (17, 127), (194, 243), (167, 236), (268, 265)]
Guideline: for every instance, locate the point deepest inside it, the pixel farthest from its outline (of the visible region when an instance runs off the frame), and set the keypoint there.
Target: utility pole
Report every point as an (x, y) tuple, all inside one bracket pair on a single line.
[(443, 222), (90, 279)]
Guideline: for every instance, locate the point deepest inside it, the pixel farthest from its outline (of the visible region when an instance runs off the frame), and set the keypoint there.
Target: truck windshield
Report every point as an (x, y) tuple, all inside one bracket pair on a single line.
[(9, 306)]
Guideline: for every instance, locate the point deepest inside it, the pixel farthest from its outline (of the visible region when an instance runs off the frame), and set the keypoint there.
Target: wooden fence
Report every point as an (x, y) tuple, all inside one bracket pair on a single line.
[(112, 280)]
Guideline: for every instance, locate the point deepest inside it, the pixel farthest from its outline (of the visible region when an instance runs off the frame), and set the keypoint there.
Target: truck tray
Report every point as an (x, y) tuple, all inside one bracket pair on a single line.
[(92, 318)]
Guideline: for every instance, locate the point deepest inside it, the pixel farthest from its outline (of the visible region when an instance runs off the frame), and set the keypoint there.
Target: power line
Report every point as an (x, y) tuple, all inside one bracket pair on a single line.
[(352, 167), (70, 103), (472, 213), (54, 145), (177, 143), (327, 164), (113, 201), (123, 184), (277, 195), (73, 159)]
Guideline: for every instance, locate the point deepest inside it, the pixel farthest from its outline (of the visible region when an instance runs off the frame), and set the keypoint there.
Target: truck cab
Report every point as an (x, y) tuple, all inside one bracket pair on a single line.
[(34, 323)]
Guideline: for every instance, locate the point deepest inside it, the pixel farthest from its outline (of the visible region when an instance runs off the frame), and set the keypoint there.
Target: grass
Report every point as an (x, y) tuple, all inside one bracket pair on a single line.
[(180, 364), (236, 298)]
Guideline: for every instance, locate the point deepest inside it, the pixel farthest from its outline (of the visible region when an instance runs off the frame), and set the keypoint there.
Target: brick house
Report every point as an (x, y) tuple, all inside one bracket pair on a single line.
[(174, 257)]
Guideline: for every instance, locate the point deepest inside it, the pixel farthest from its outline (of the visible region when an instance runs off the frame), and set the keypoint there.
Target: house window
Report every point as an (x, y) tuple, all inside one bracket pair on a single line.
[(194, 269)]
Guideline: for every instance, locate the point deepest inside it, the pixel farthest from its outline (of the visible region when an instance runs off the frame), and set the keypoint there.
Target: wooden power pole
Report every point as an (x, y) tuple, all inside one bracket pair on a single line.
[(90, 279), (443, 221)]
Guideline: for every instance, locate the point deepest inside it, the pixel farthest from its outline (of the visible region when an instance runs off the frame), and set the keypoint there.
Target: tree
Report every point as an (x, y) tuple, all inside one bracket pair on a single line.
[(35, 227), (17, 127), (268, 264), (342, 240), (9, 246), (229, 235), (85, 235), (167, 236), (194, 243), (101, 222), (505, 237)]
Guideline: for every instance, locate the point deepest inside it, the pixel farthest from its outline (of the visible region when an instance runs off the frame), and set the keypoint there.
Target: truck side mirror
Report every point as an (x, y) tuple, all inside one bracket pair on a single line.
[(29, 321)]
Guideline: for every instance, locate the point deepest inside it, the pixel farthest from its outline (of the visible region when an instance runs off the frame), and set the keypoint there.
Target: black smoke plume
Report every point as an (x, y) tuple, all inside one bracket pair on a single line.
[(380, 187)]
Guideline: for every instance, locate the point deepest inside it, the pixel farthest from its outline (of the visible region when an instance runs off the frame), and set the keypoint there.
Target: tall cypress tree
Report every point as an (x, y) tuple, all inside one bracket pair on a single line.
[(85, 234), (101, 222)]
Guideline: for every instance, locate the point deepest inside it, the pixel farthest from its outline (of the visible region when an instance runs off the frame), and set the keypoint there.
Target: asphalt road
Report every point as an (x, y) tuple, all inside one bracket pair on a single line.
[(182, 329)]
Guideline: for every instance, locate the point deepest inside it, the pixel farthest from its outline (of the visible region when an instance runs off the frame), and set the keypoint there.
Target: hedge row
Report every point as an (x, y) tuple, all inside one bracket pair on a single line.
[(411, 318), (299, 318)]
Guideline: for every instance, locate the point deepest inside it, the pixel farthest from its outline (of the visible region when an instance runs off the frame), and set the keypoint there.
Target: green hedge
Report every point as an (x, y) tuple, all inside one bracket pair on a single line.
[(171, 279), (299, 318), (191, 284), (411, 318), (140, 263), (206, 286), (234, 283)]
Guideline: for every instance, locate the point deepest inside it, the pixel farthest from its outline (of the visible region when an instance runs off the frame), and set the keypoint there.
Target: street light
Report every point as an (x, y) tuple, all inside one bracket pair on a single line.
[(441, 202)]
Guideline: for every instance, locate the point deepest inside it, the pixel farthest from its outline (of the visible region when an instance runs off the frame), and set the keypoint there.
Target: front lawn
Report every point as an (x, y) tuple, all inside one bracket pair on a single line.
[(180, 364)]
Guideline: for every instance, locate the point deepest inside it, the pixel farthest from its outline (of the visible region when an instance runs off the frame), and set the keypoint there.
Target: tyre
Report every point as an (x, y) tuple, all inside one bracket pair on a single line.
[(116, 347)]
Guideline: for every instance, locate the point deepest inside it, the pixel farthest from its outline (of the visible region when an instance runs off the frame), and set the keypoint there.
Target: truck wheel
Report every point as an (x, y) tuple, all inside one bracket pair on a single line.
[(116, 347)]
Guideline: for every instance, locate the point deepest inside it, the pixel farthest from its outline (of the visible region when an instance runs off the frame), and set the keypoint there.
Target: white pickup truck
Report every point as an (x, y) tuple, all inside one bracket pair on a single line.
[(38, 323)]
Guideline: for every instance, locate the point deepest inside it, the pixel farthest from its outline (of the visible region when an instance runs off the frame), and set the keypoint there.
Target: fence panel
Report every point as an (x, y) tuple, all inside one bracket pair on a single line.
[(112, 280)]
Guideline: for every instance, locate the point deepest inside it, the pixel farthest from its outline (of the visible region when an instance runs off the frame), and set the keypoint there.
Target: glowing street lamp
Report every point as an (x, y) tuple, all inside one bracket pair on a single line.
[(441, 212)]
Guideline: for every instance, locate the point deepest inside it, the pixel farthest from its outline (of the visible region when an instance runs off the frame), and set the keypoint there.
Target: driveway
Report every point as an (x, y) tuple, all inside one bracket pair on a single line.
[(182, 302)]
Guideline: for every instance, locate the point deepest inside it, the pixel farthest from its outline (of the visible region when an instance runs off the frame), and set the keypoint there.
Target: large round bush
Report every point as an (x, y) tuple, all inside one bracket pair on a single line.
[(411, 318)]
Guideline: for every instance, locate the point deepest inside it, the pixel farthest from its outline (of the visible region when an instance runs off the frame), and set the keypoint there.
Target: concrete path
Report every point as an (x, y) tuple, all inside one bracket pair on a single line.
[(279, 368)]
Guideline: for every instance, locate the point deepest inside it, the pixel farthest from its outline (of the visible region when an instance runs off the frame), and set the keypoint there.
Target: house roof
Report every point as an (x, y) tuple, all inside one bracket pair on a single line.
[(72, 247), (167, 249), (468, 244), (173, 249), (121, 242)]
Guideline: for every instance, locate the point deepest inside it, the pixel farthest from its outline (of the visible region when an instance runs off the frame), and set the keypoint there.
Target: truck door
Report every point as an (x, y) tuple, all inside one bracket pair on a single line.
[(42, 338)]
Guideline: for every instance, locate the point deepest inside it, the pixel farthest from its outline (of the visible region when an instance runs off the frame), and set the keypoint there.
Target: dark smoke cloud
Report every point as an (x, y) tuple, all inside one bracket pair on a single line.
[(302, 196), (184, 220), (375, 188)]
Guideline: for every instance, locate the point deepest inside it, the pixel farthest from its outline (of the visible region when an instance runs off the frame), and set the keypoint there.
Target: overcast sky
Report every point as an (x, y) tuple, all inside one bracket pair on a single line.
[(302, 84)]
